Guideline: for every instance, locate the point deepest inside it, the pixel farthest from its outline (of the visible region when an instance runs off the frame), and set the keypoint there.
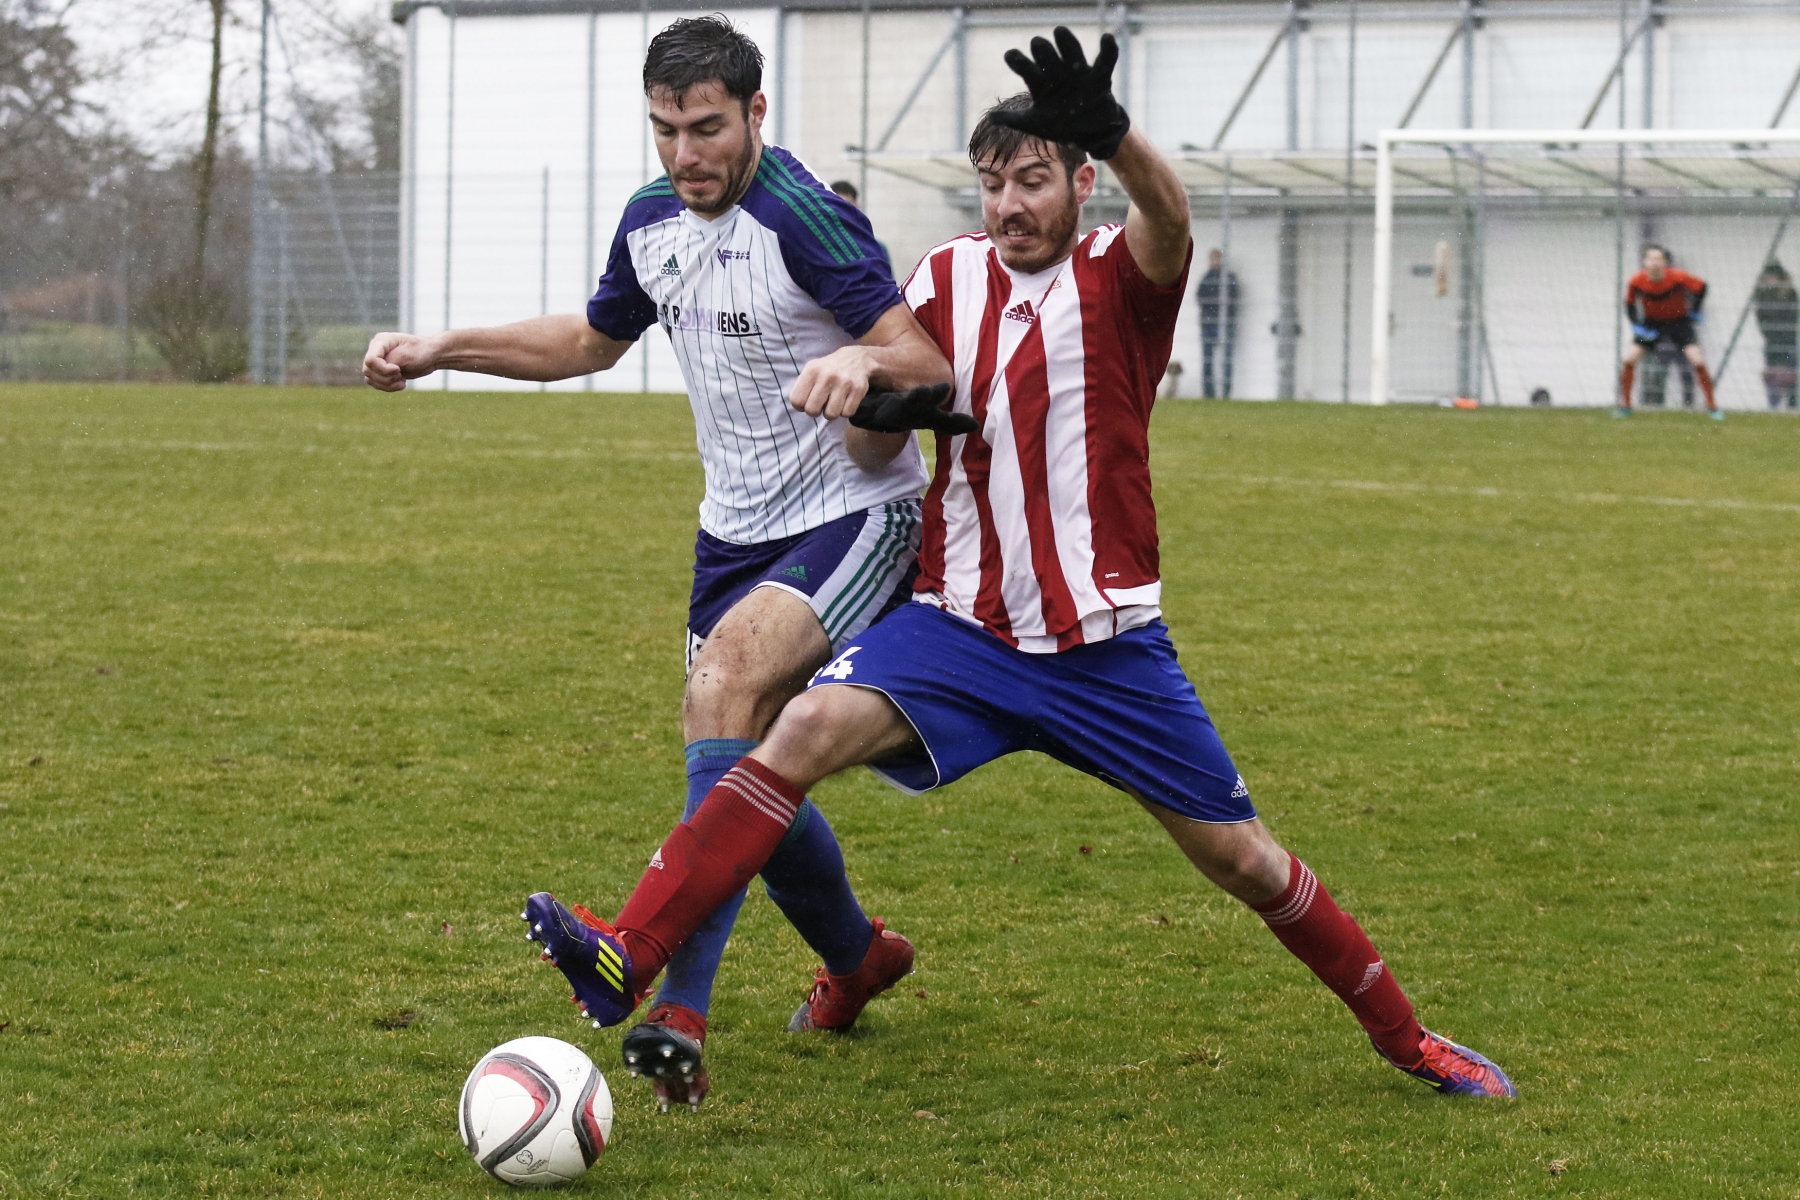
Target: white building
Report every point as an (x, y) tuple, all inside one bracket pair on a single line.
[(526, 131)]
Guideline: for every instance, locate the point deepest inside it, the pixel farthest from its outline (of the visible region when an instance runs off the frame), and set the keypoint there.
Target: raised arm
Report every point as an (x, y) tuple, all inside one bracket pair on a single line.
[(1156, 227), (541, 349)]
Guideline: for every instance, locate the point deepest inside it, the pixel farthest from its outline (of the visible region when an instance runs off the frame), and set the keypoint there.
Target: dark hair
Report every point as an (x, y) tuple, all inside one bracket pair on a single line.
[(704, 50), (845, 188), (995, 143), (1660, 249)]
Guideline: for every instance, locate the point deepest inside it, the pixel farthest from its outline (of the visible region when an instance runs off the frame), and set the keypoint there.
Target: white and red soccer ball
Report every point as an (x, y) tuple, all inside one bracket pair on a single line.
[(535, 1112)]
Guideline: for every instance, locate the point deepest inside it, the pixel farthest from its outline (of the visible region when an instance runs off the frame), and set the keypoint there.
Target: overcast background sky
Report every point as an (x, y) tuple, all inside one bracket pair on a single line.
[(147, 63)]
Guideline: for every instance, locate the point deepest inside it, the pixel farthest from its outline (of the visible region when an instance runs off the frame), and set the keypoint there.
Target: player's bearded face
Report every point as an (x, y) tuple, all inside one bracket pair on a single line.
[(1031, 207), (708, 144)]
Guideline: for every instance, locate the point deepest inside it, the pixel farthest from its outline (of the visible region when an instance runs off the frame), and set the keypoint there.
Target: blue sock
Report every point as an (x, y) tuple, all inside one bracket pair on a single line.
[(688, 979), (805, 878)]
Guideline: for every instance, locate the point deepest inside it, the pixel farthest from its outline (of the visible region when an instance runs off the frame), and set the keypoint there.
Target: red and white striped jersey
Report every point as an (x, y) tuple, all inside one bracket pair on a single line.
[(1040, 526)]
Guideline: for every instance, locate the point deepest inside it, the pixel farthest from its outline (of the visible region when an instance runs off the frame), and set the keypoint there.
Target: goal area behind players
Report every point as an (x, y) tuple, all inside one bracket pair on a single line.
[(1501, 258)]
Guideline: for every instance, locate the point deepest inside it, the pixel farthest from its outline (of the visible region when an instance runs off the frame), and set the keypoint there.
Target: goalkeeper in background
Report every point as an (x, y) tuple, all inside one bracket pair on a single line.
[(1662, 302)]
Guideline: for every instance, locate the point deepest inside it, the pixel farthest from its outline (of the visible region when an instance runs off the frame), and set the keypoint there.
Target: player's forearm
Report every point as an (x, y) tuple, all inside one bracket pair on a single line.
[(895, 355), (911, 360), (1156, 229), (542, 349), (1151, 183)]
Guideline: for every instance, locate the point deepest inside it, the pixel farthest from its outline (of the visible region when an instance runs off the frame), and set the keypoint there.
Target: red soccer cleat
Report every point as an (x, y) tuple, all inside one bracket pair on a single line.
[(666, 1048), (837, 1000), (1457, 1070)]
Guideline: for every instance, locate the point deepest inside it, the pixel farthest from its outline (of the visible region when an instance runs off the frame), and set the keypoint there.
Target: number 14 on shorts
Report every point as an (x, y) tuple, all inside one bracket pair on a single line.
[(839, 668)]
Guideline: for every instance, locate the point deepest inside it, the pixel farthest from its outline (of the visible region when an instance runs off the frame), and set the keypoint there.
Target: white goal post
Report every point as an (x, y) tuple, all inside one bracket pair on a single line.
[(1608, 170)]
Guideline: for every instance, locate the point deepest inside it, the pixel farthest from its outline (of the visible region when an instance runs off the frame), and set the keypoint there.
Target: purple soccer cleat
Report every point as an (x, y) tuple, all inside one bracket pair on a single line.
[(589, 953), (1457, 1070)]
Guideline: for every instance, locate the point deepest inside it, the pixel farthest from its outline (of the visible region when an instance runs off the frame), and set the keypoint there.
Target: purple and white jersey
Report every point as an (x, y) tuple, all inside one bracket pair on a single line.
[(789, 274)]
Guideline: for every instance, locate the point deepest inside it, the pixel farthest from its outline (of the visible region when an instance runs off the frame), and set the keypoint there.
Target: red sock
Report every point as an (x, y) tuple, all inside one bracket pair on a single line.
[(1306, 920), (704, 861), (1627, 377), (1706, 385)]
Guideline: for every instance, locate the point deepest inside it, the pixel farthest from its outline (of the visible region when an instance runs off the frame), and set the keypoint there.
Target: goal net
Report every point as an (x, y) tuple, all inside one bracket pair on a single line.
[(1501, 259)]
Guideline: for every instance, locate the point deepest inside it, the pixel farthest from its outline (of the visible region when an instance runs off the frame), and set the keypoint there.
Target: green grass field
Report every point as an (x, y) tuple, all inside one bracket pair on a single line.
[(301, 693)]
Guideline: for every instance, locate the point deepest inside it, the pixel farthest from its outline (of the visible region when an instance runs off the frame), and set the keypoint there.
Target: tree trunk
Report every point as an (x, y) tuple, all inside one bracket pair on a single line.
[(209, 145)]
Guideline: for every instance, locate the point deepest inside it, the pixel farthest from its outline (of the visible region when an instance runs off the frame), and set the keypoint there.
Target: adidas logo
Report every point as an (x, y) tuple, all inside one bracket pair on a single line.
[(1241, 791), (1369, 977), (671, 267), (656, 861), (797, 571), (1022, 311)]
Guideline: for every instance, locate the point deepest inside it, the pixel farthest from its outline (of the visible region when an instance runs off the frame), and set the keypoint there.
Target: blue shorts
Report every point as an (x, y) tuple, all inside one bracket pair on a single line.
[(851, 571), (1120, 710)]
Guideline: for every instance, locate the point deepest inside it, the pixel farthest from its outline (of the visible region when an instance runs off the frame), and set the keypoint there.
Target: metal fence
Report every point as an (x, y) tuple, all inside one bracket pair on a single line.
[(301, 279), (324, 273)]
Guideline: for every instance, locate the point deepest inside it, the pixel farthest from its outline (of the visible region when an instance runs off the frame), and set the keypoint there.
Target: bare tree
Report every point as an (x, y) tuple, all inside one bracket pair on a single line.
[(194, 315), (209, 141), (60, 235), (82, 207), (374, 47), (357, 132), (44, 150)]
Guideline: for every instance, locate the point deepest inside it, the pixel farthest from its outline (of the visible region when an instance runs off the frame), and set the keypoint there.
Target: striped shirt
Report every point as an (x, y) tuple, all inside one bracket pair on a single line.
[(1040, 527), (791, 273)]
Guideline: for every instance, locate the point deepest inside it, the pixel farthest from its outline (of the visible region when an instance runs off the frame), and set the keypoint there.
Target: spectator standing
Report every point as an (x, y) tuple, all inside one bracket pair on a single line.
[(1218, 296), (1778, 316)]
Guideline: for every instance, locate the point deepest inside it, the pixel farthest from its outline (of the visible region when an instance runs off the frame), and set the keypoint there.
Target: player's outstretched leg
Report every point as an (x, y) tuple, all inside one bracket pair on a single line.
[(666, 1047), (1245, 860), (688, 981), (1305, 919), (805, 878), (836, 1000), (703, 863)]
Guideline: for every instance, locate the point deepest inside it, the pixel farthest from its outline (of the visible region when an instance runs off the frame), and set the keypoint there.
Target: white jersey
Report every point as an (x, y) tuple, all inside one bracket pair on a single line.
[(791, 273)]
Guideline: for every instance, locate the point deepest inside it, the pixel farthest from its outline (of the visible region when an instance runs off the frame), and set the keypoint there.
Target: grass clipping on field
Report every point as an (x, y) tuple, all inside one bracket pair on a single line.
[(305, 691)]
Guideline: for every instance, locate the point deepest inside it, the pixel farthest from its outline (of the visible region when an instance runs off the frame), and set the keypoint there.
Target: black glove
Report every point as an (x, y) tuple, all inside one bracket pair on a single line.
[(1070, 100), (921, 408)]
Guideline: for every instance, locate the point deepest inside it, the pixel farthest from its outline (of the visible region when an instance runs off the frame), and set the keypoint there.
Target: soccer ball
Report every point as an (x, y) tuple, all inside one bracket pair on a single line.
[(535, 1112)]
